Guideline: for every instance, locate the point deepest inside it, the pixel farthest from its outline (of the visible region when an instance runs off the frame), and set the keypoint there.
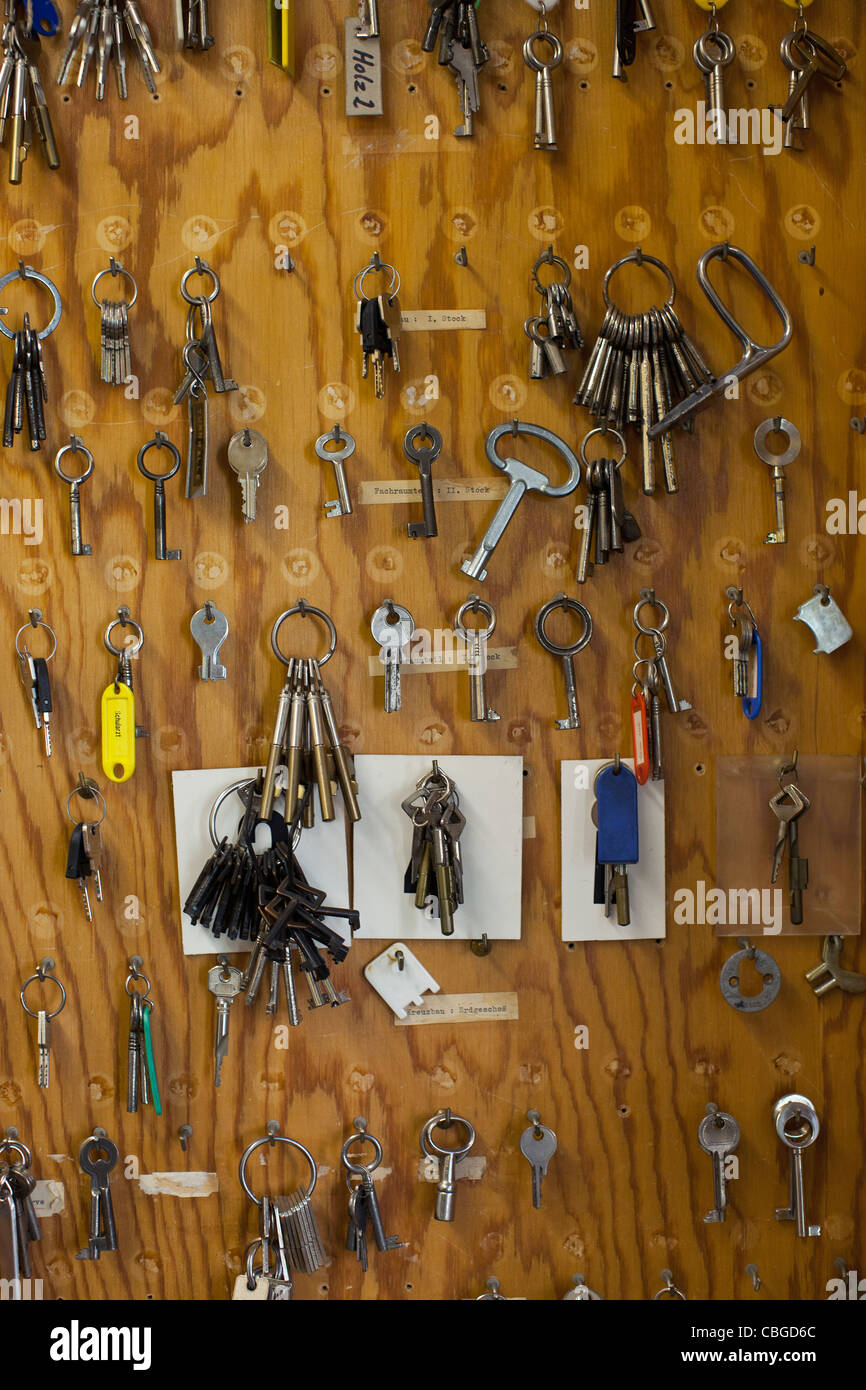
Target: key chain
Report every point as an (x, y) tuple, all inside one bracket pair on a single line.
[(96, 33), (616, 840), (141, 1075), (378, 322), (84, 857), (748, 658), (115, 361), (33, 671), (43, 1018), (713, 52), (545, 124), (119, 729), (26, 392)]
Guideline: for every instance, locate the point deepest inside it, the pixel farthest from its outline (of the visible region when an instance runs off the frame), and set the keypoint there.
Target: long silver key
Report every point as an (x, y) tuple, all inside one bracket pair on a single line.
[(476, 640), (538, 1145), (463, 67), (718, 1136), (210, 628), (224, 983), (341, 505), (797, 1125), (248, 457), (777, 463), (392, 627)]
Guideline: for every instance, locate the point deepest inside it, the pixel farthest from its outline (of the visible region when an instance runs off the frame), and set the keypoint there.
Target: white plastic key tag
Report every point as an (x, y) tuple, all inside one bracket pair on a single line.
[(242, 1290), (400, 978), (826, 619)]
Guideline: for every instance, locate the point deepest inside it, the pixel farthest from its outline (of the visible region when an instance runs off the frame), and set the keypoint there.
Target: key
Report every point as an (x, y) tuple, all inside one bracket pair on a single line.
[(375, 341), (448, 1158), (210, 628), (248, 457), (617, 840), (538, 1145), (566, 654), (799, 122), (777, 463), (160, 441), (77, 29), (476, 640), (97, 1157), (224, 983), (74, 482), (392, 627), (342, 504), (41, 698), (545, 126), (797, 1125), (343, 763), (787, 805), (713, 52), (371, 1202), (356, 1237), (31, 50), (198, 440), (43, 1017), (17, 142), (522, 479), (819, 58), (319, 748), (718, 1136), (368, 19), (91, 841), (462, 66), (78, 867), (422, 454), (392, 317)]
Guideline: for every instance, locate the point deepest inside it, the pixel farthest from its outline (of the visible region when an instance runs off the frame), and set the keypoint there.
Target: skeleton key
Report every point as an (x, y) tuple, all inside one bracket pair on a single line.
[(159, 480), (819, 57), (210, 628), (341, 504), (797, 1125), (392, 627), (566, 654), (422, 455), (476, 640), (545, 125), (538, 1145), (777, 463), (75, 446), (718, 1136)]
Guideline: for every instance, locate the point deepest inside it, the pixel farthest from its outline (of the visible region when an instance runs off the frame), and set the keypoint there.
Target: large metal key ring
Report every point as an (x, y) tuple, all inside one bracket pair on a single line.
[(43, 974), (200, 268), (306, 610), (114, 269), (431, 1149), (26, 272), (417, 453), (275, 1139), (639, 257), (652, 603), (133, 647), (564, 603), (537, 64), (474, 604)]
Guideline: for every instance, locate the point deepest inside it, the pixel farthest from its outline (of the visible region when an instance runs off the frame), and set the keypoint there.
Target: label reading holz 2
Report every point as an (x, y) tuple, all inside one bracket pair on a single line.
[(363, 74)]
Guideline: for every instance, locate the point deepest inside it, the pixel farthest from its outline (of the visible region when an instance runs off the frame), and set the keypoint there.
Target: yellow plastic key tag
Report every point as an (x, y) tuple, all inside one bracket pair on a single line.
[(118, 732)]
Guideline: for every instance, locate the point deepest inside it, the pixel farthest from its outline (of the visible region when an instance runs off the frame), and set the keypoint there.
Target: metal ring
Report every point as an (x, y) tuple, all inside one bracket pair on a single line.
[(28, 273), (779, 425), (475, 604), (714, 38), (529, 57), (76, 447), (430, 1147), (360, 1168), (548, 257), (133, 647), (118, 270), (42, 978), (141, 994), (201, 269), (518, 427), (653, 603), (415, 452), (358, 282), (669, 1291), (765, 966), (25, 627), (606, 430), (159, 443), (566, 604), (76, 791), (339, 455), (306, 610), (19, 1148), (275, 1139), (215, 808), (788, 1106), (640, 258)]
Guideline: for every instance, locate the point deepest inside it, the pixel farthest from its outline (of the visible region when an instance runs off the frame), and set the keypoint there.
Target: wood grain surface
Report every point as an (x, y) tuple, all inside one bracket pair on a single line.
[(232, 161)]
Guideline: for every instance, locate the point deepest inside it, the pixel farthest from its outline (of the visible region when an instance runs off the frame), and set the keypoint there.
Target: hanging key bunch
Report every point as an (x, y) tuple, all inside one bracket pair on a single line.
[(202, 361), (141, 1083), (609, 525), (617, 841), (97, 1157), (115, 364), (22, 95), (84, 858), (363, 1202), (33, 671), (713, 52), (119, 729), (43, 1018), (19, 1226), (805, 55), (651, 673), (748, 657), (555, 330), (461, 51), (378, 323), (633, 17), (193, 21), (96, 38), (435, 870), (545, 124), (27, 393), (288, 1240), (640, 365)]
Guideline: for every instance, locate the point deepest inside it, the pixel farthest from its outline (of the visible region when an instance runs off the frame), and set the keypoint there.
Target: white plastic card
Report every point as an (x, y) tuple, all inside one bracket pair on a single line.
[(491, 798), (582, 919), (400, 978), (322, 853)]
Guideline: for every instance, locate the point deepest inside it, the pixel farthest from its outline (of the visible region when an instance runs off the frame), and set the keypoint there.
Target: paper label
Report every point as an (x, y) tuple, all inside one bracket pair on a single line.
[(49, 1197), (363, 73), (447, 659), (179, 1184), (430, 320), (444, 490), (461, 1008)]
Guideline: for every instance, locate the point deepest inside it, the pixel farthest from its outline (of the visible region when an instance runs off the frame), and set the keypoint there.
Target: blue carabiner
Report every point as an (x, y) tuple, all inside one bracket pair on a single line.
[(752, 703), (46, 20)]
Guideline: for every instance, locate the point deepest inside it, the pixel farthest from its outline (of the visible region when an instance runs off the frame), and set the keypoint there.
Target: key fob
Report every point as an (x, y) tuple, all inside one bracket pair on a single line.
[(77, 862), (616, 797), (42, 685)]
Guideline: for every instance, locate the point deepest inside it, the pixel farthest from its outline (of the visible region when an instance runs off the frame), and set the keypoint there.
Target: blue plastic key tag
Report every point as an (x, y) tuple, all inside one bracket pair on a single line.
[(752, 703), (616, 800)]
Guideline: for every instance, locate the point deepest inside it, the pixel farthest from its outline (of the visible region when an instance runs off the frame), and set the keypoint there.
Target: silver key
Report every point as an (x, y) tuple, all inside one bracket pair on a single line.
[(224, 983), (566, 654), (248, 457), (797, 1125), (210, 628), (713, 52), (476, 639), (777, 463), (718, 1136), (392, 627), (463, 67), (538, 1145), (341, 504)]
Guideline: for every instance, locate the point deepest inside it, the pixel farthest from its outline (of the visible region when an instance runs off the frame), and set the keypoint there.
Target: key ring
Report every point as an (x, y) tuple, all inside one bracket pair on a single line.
[(651, 681), (653, 602), (25, 1154), (88, 820), (159, 441), (26, 272), (571, 605), (76, 446), (549, 257), (275, 1139), (796, 1106), (444, 1118), (543, 35), (360, 1169), (131, 648), (517, 427), (639, 257), (200, 268), (135, 974), (670, 1289), (337, 436), (114, 269), (608, 432), (415, 452), (475, 604), (714, 49), (358, 282), (306, 610), (42, 974), (39, 623)]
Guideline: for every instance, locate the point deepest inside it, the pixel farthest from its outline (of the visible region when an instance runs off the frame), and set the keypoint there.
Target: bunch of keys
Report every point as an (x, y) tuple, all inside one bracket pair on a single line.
[(33, 671), (545, 124), (461, 51), (363, 1203), (561, 331), (203, 364), (22, 95), (97, 31), (633, 17), (43, 1017), (378, 322), (17, 1212), (97, 1157), (609, 523), (141, 1083), (435, 870), (806, 56), (617, 841), (288, 1231), (748, 658), (27, 392), (84, 859), (119, 729)]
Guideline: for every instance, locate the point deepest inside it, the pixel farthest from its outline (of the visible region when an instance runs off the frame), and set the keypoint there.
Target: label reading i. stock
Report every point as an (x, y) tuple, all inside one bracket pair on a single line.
[(363, 74)]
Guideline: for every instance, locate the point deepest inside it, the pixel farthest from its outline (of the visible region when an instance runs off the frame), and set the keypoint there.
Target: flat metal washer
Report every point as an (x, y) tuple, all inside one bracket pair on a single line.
[(765, 966)]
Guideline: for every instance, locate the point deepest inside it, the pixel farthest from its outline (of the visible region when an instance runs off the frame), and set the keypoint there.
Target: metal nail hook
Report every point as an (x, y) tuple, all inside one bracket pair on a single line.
[(184, 1134), (752, 1271), (273, 1130)]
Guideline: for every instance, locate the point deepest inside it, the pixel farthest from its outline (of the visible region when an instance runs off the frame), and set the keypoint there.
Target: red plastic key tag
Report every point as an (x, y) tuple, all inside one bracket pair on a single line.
[(640, 739)]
